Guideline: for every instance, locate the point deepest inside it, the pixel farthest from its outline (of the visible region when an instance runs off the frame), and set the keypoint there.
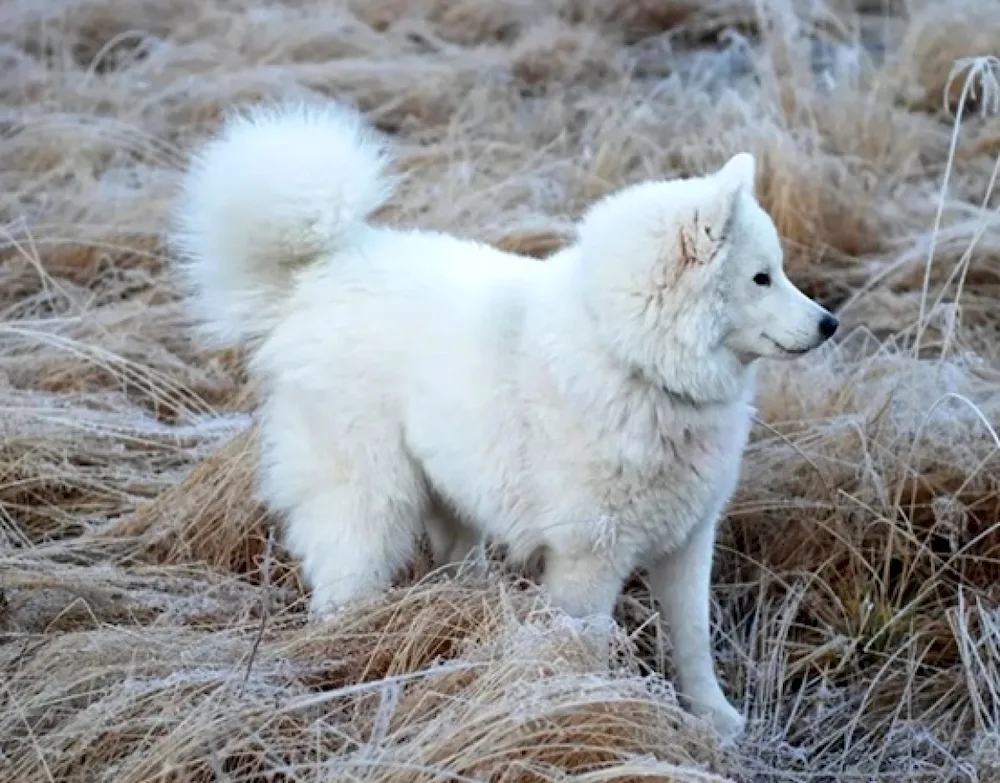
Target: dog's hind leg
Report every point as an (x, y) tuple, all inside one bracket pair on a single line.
[(350, 546), (354, 513)]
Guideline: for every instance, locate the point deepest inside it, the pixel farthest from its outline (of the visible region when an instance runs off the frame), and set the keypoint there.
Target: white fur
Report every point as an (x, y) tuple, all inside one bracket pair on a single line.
[(592, 407)]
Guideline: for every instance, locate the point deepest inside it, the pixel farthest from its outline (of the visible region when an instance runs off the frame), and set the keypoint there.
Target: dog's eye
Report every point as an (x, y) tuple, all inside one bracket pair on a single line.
[(762, 278)]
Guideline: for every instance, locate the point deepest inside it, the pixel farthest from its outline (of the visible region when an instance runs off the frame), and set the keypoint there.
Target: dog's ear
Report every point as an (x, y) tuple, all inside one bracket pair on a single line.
[(733, 178), (738, 173)]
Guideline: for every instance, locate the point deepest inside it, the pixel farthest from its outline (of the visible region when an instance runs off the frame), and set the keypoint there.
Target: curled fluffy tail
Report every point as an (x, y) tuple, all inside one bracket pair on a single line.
[(275, 190)]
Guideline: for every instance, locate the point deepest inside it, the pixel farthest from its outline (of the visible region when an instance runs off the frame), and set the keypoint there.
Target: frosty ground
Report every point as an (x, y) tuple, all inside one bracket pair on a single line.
[(152, 627)]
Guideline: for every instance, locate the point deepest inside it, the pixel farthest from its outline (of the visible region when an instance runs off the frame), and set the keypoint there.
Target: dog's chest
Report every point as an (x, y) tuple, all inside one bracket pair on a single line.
[(656, 489)]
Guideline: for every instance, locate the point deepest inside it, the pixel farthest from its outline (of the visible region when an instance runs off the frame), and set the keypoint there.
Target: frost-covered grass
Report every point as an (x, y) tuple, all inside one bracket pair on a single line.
[(152, 626)]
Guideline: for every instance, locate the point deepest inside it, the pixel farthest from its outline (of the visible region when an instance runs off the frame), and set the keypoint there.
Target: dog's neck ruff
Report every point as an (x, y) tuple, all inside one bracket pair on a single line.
[(688, 401), (680, 397)]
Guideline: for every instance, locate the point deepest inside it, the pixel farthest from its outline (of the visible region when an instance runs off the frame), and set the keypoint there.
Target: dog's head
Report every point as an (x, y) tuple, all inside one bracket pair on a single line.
[(684, 280)]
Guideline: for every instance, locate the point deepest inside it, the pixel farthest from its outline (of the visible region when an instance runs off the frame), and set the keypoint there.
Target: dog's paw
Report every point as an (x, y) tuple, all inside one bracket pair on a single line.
[(323, 609), (333, 602), (728, 722), (324, 615)]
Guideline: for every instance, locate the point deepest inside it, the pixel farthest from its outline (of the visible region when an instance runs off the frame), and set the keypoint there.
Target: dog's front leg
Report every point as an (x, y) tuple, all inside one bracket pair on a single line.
[(681, 582), (582, 585)]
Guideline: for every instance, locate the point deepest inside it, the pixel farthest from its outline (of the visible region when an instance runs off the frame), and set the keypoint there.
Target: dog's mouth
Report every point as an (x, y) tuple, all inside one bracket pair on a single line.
[(788, 351)]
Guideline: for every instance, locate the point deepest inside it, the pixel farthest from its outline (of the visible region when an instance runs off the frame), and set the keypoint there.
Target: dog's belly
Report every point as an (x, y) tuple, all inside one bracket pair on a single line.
[(502, 508), (474, 465)]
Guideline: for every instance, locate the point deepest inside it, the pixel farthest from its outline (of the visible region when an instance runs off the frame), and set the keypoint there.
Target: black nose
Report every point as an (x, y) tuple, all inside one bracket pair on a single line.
[(827, 326)]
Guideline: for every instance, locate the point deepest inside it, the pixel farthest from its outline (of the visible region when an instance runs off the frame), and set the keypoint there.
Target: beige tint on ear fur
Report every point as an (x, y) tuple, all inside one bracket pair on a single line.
[(733, 178)]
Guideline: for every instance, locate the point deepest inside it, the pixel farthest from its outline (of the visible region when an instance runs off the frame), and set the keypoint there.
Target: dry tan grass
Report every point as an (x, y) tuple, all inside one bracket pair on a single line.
[(152, 626)]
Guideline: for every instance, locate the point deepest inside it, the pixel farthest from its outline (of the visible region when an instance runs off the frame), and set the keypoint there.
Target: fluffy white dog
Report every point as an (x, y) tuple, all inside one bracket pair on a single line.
[(591, 408)]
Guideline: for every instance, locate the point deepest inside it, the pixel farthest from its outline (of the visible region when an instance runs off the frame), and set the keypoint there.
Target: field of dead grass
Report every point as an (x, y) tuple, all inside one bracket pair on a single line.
[(151, 627)]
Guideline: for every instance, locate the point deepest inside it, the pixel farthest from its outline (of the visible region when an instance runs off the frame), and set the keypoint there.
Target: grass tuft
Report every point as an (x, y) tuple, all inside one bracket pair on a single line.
[(152, 626)]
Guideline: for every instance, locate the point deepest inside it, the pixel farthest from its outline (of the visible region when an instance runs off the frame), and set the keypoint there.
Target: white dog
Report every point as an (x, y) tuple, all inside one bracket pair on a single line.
[(592, 407)]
